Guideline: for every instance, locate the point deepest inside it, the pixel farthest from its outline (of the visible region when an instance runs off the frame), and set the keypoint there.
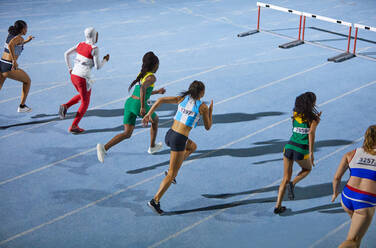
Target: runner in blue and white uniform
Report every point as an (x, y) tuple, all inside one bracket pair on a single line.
[(359, 194), (189, 110)]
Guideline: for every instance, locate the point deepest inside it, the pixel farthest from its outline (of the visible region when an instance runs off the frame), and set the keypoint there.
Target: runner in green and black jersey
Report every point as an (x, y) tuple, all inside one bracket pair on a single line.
[(300, 146)]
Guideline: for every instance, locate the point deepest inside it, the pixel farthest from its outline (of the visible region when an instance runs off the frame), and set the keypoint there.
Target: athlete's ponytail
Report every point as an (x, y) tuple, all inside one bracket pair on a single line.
[(149, 62), (305, 107), (194, 90), (370, 140), (17, 28)]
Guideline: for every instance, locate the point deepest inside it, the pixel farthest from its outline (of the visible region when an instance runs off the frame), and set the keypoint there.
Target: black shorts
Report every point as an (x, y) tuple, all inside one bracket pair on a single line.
[(175, 141), (294, 155), (5, 65)]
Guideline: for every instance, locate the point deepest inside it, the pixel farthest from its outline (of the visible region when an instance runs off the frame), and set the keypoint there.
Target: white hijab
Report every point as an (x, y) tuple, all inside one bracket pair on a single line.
[(91, 35)]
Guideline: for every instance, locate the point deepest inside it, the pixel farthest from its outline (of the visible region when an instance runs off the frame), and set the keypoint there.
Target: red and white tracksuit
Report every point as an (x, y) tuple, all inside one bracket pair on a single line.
[(87, 57)]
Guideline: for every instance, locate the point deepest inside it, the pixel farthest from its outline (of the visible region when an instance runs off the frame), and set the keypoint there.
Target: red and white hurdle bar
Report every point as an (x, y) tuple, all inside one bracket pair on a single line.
[(360, 26), (300, 39)]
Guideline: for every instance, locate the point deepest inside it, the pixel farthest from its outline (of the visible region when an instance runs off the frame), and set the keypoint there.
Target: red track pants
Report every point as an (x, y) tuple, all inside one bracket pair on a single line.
[(84, 95)]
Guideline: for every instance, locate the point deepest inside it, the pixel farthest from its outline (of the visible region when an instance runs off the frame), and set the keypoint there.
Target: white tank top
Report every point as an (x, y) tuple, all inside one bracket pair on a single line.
[(363, 165), (188, 112)]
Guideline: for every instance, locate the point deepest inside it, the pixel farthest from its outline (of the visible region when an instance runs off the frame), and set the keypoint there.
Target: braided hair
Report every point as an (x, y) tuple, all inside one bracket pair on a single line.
[(194, 90), (305, 107), (17, 27), (149, 62)]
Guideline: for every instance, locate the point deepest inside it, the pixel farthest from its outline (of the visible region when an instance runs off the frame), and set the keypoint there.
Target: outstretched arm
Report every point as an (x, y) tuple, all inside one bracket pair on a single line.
[(159, 91), (166, 99), (28, 39), (343, 166)]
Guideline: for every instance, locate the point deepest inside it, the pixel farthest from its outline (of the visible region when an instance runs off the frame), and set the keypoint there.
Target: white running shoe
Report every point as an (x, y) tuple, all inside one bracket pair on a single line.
[(101, 152), (25, 109), (156, 148)]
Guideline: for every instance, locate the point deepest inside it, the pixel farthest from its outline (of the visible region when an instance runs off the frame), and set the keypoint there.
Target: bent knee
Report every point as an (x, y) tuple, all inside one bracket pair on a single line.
[(126, 134), (155, 120), (191, 146), (307, 169), (171, 175), (27, 81)]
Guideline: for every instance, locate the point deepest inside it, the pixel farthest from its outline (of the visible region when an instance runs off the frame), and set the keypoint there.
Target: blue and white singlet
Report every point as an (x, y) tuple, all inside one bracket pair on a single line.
[(188, 112)]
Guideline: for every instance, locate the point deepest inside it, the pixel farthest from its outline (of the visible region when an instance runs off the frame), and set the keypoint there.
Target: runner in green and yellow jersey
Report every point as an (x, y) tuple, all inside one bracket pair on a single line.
[(300, 146), (136, 105)]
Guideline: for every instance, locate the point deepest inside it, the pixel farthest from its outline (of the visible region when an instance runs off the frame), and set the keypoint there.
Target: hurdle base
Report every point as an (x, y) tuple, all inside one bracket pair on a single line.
[(248, 33), (341, 57), (291, 44)]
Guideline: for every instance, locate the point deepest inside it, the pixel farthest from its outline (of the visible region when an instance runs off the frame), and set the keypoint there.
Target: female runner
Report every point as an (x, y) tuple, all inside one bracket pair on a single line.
[(87, 57), (300, 147), (8, 62), (189, 110), (136, 105), (359, 195)]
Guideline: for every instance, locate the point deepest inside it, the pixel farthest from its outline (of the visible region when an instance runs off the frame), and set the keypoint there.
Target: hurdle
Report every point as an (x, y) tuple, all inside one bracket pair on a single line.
[(303, 15), (360, 26)]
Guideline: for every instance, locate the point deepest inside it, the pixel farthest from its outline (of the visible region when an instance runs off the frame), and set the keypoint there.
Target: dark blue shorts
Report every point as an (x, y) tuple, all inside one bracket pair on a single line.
[(175, 141), (5, 65)]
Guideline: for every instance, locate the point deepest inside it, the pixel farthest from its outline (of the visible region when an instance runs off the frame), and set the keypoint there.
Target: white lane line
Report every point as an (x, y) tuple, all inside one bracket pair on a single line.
[(224, 20), (142, 131), (117, 100), (186, 229), (60, 84), (46, 166), (34, 92), (79, 209), (276, 81), (34, 84), (330, 233), (155, 176)]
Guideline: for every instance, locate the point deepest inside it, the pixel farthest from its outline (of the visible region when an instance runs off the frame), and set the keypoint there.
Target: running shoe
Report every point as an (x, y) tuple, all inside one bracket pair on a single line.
[(101, 152), (290, 189), (75, 130), (23, 109), (156, 207), (173, 180), (279, 210), (62, 111), (156, 148)]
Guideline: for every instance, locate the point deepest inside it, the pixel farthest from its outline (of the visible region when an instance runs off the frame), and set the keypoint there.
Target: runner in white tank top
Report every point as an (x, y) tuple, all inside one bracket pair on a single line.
[(87, 57), (359, 194)]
